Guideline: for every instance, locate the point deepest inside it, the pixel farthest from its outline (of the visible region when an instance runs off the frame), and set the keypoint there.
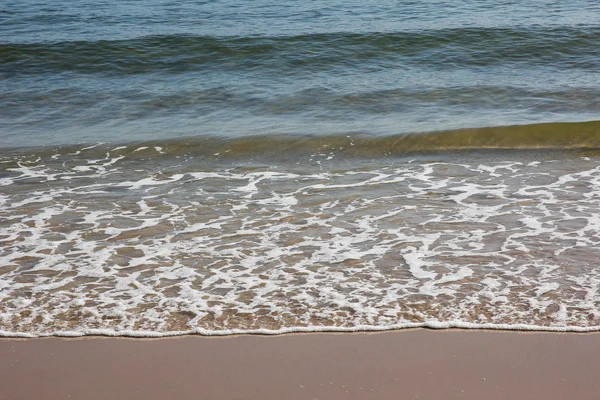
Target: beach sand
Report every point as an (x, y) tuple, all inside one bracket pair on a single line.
[(424, 364)]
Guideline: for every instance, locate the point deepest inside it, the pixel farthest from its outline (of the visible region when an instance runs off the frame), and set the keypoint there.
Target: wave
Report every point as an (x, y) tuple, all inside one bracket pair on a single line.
[(572, 47), (556, 135), (316, 101)]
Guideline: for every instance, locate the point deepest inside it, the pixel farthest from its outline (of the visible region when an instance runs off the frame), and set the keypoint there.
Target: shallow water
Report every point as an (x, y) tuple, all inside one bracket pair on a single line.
[(133, 238)]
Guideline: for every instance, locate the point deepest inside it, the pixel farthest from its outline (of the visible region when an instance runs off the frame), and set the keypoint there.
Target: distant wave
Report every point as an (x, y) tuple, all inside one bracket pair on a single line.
[(573, 47)]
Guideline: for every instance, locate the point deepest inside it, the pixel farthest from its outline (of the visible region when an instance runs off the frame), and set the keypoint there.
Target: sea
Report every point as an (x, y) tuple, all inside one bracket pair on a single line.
[(225, 167)]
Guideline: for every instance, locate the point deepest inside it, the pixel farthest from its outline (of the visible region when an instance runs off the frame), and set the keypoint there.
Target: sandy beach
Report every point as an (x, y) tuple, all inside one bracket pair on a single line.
[(424, 364)]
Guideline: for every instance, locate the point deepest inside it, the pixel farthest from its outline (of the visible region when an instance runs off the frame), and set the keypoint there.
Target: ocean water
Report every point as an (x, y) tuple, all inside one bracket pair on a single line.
[(220, 167)]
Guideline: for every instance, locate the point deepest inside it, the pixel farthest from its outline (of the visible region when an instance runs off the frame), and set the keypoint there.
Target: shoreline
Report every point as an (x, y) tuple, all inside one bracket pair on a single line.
[(430, 325), (410, 363)]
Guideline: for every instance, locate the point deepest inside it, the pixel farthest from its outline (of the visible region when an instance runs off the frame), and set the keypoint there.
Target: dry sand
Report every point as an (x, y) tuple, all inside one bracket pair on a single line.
[(410, 364)]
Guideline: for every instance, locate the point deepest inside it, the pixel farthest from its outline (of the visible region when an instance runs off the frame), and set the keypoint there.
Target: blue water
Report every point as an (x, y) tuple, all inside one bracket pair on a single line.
[(83, 72)]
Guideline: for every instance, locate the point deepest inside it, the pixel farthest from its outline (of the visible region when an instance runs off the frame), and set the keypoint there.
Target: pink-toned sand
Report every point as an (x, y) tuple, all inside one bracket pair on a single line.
[(410, 364)]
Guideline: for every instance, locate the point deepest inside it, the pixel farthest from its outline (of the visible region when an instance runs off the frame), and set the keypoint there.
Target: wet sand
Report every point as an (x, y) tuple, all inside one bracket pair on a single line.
[(409, 364)]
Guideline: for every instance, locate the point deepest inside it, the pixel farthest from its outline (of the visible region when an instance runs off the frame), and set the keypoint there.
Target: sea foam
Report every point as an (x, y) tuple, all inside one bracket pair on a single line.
[(124, 246)]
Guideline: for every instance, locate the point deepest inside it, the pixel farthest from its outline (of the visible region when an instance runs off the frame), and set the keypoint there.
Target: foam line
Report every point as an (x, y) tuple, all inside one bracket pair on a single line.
[(303, 329)]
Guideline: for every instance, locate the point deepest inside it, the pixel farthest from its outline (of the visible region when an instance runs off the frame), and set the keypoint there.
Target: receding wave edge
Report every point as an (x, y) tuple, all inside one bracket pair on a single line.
[(303, 329)]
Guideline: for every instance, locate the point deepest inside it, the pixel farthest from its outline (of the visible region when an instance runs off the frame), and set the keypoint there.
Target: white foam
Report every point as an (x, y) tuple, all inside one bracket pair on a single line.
[(546, 287), (302, 329), (96, 248)]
